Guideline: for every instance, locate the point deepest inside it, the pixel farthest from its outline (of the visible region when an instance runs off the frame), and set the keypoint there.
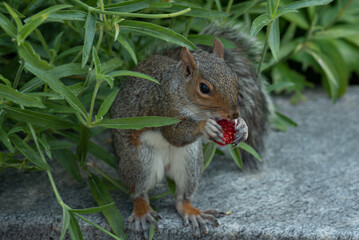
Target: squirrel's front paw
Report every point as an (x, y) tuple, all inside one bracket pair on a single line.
[(241, 131), (139, 225), (213, 131)]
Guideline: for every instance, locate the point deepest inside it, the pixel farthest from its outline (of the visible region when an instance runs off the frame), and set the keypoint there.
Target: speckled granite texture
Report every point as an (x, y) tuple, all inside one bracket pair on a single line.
[(308, 188)]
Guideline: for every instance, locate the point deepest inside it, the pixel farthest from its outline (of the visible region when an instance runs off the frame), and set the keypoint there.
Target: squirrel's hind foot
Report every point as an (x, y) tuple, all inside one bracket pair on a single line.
[(140, 219), (197, 218)]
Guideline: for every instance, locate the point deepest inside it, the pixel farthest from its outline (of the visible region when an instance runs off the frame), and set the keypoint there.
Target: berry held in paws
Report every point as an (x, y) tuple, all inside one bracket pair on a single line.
[(228, 131)]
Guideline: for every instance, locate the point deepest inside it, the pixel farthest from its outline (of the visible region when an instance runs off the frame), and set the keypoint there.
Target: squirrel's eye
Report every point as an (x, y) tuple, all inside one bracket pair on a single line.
[(204, 88)]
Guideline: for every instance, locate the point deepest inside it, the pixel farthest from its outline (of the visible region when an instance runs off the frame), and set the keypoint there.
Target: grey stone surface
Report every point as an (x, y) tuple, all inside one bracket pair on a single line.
[(308, 189)]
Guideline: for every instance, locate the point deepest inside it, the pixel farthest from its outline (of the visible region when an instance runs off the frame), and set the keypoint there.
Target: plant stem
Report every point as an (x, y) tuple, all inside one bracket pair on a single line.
[(98, 83), (229, 6), (341, 12), (135, 15), (265, 48), (18, 73), (104, 16)]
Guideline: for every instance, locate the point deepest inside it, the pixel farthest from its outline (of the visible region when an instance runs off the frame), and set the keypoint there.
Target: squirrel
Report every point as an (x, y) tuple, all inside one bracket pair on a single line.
[(198, 88)]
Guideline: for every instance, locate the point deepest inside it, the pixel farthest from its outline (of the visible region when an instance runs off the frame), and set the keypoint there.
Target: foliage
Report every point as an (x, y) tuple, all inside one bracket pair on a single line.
[(61, 63)]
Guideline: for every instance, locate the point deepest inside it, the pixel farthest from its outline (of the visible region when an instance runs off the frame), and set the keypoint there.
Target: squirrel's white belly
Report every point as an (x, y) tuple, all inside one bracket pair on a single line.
[(168, 160)]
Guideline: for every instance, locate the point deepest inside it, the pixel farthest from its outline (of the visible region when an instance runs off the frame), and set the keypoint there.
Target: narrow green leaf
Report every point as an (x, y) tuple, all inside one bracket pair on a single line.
[(82, 147), (196, 11), (128, 6), (236, 156), (74, 229), (57, 42), (279, 86), (96, 60), (18, 97), (133, 74), (32, 58), (107, 103), (5, 80), (37, 118), (249, 149), (171, 185), (137, 122), (90, 28), (274, 39), (103, 197), (68, 160), (34, 21), (209, 149), (14, 16), (67, 15), (157, 31), (151, 232), (8, 27), (99, 227), (94, 209), (339, 31), (328, 69), (286, 119), (65, 222), (128, 48), (258, 24), (301, 4), (59, 87), (109, 79), (5, 140), (207, 40), (28, 152)]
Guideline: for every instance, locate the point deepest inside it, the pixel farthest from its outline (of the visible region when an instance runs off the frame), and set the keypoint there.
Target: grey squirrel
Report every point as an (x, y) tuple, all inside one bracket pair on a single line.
[(198, 88)]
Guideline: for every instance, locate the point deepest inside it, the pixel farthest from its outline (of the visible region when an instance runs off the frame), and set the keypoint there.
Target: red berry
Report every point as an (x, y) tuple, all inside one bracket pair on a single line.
[(228, 131)]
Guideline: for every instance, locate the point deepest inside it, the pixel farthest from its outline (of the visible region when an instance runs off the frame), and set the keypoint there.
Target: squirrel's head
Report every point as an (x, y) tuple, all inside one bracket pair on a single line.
[(211, 85)]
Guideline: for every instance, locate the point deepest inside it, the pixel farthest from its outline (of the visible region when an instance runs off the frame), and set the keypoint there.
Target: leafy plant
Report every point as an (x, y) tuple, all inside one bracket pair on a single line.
[(62, 62)]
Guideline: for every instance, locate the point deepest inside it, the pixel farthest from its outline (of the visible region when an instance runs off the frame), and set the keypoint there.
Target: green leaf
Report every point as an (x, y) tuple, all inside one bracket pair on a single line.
[(197, 12), (65, 222), (128, 6), (236, 155), (37, 118), (94, 209), (5, 140), (274, 39), (110, 80), (157, 31), (18, 97), (82, 147), (7, 26), (128, 48), (301, 4), (59, 87), (28, 152), (96, 60), (90, 28), (339, 31), (249, 149), (74, 229), (171, 185), (286, 119), (137, 122), (258, 24), (103, 197), (5, 80), (35, 20), (32, 58), (329, 71), (133, 74), (299, 19), (67, 15), (68, 160), (57, 42), (279, 86), (107, 103), (14, 16), (151, 232), (207, 40), (209, 149)]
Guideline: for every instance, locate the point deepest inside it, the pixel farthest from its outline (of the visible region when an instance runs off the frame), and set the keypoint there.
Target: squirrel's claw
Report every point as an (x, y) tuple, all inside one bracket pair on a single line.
[(139, 225), (213, 131), (241, 132)]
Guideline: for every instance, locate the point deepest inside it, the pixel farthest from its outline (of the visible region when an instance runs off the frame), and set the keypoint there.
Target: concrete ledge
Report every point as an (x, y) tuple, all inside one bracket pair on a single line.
[(309, 187)]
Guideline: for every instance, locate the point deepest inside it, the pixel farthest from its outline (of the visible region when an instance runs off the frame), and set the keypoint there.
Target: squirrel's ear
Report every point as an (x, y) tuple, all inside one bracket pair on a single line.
[(218, 48), (188, 62)]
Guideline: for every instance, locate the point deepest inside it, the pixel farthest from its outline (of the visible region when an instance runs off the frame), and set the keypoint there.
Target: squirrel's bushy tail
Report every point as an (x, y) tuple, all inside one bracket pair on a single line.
[(254, 103)]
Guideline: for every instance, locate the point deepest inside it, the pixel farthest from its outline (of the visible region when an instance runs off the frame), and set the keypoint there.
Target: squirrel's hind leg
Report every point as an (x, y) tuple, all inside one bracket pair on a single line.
[(185, 170)]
